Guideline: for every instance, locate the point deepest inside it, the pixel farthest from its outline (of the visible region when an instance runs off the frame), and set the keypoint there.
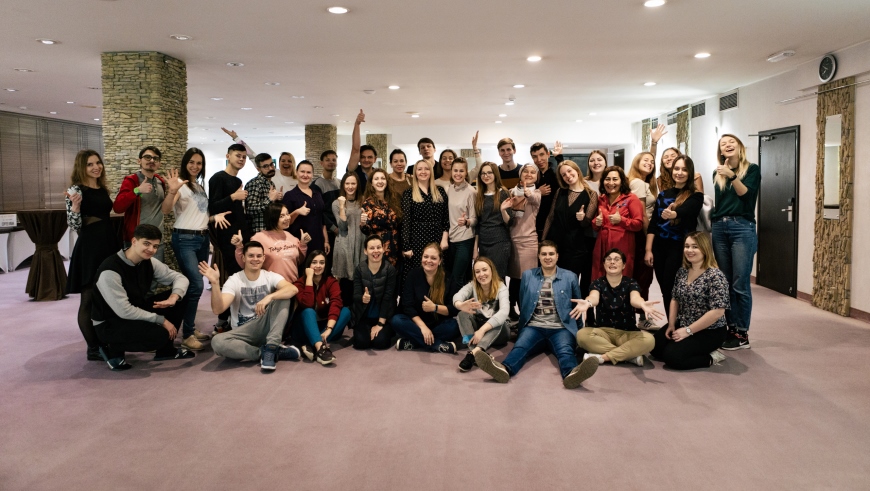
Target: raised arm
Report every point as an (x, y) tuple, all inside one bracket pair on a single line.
[(353, 161)]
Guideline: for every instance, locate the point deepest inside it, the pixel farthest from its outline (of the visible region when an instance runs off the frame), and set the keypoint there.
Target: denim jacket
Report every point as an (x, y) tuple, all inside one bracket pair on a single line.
[(565, 287)]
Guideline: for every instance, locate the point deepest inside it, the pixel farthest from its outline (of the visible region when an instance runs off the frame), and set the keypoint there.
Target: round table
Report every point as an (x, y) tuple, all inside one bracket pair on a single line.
[(47, 277)]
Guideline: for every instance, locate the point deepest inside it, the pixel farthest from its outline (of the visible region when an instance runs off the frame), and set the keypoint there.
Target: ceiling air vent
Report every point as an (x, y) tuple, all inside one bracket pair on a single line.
[(699, 109), (728, 101), (672, 118)]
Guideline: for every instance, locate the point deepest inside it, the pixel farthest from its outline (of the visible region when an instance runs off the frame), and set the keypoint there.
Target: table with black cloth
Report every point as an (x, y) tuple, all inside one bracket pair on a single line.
[(47, 278)]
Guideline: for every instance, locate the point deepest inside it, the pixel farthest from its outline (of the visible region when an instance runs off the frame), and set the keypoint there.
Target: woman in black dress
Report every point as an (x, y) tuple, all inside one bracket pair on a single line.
[(426, 220), (88, 205)]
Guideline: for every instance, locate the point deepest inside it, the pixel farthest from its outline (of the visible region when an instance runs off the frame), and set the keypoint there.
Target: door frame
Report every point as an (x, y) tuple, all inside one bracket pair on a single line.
[(797, 186)]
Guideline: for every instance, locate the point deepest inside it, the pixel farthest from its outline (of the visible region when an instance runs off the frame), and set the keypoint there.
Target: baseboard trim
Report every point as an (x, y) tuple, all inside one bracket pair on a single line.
[(853, 312)]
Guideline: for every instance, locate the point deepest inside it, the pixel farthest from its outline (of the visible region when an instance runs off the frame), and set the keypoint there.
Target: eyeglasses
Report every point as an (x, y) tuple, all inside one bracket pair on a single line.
[(149, 158), (487, 174), (267, 165)]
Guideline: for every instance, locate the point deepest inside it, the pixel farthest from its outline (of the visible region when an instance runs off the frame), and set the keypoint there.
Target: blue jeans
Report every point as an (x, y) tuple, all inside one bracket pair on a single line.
[(190, 250), (306, 322), (406, 328), (533, 340), (734, 245)]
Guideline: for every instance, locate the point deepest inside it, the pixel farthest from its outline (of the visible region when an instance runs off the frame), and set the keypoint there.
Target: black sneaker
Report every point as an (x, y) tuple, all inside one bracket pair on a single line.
[(404, 345), (116, 363), (580, 373), (324, 355), (449, 348), (288, 353), (493, 368), (221, 326), (268, 357), (94, 353), (180, 354), (467, 362), (737, 340)]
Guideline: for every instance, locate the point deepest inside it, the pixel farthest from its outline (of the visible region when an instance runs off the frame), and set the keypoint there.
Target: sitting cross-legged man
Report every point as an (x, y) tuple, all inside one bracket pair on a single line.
[(259, 303), (124, 316), (546, 321), (615, 297)]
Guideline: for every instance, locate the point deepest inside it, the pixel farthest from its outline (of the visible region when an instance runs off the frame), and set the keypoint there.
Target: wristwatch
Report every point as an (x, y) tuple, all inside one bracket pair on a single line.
[(689, 331), (136, 191)]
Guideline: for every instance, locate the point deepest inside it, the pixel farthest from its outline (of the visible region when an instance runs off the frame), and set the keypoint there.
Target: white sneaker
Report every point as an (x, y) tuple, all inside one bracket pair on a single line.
[(639, 360), (600, 358), (717, 357)]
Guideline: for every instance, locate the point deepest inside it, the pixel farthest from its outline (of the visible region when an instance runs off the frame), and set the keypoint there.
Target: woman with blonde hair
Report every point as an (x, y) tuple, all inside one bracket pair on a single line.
[(285, 179), (88, 206), (735, 242), (595, 165), (483, 311), (426, 218), (494, 212), (696, 315), (641, 181)]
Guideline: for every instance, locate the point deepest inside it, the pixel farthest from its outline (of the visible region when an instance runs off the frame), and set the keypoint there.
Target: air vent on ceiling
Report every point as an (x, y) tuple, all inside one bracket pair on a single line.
[(654, 122), (699, 109), (728, 101), (672, 118)]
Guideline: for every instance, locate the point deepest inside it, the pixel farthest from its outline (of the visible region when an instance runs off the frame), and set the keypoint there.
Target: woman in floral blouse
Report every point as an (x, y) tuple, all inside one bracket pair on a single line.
[(382, 213), (696, 321)]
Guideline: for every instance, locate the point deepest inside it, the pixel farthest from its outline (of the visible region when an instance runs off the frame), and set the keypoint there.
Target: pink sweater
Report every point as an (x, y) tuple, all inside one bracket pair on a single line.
[(283, 256)]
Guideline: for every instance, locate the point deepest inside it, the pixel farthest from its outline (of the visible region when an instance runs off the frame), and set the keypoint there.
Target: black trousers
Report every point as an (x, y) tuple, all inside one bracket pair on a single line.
[(362, 335), (690, 353), (122, 335), (667, 260), (231, 266)]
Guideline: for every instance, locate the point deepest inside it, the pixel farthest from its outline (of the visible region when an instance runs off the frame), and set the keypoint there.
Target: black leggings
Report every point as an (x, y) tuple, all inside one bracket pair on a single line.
[(690, 353), (667, 260), (362, 335), (86, 325), (231, 266)]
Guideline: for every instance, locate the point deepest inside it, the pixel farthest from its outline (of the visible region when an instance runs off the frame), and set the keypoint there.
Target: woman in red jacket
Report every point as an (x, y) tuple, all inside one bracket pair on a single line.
[(620, 215), (321, 318)]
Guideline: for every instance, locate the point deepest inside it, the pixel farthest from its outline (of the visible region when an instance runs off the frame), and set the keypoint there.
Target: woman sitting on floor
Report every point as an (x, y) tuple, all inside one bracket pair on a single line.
[(484, 307), (374, 297), (696, 321), (321, 317)]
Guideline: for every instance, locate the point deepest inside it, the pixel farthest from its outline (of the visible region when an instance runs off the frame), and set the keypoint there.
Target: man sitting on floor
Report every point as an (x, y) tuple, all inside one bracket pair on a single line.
[(259, 303), (616, 297), (125, 318), (546, 318)]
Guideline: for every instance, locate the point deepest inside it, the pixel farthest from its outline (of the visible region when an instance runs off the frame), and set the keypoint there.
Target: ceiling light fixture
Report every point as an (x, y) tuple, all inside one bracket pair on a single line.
[(217, 98), (288, 122), (318, 107), (52, 112), (579, 121), (70, 102), (415, 115), (509, 103), (181, 37), (502, 115), (534, 58), (394, 87), (11, 90), (593, 114), (702, 55), (298, 97), (235, 64), (780, 56), (498, 122), (519, 86), (247, 108), (653, 3), (23, 70), (270, 116), (48, 41), (273, 84), (337, 10), (22, 107), (335, 115), (649, 84), (210, 117), (96, 119)]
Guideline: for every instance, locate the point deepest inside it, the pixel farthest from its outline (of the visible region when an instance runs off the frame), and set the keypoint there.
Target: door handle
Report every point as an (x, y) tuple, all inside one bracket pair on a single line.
[(790, 210)]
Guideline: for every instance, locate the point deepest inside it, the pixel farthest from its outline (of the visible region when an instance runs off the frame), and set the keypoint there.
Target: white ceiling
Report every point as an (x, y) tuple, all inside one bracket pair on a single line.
[(456, 61)]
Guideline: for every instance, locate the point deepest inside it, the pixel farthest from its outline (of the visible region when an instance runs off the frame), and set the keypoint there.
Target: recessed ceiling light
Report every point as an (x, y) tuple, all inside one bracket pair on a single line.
[(519, 86), (498, 122), (579, 121), (298, 97), (48, 41), (235, 124), (11, 90), (217, 98), (235, 64), (318, 107), (52, 112), (24, 70), (393, 87), (210, 117), (509, 103), (270, 116), (780, 56), (534, 58), (181, 37), (345, 121), (653, 3), (247, 108), (415, 115), (649, 84), (335, 115), (702, 55), (593, 114), (502, 115), (288, 122), (70, 102), (22, 107), (337, 10), (96, 119), (273, 83)]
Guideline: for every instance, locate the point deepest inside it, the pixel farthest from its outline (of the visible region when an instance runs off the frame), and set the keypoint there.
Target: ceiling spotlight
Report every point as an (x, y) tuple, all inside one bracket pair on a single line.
[(345, 121), (11, 90), (217, 98), (96, 119), (780, 56), (48, 41), (70, 102), (247, 108), (288, 122), (579, 121), (415, 115), (509, 103), (273, 83), (298, 97), (270, 116), (181, 37), (502, 115), (593, 114), (393, 87), (519, 86), (649, 84), (210, 117), (498, 122), (22, 107), (533, 58), (52, 112), (24, 70), (235, 64), (337, 10), (702, 55), (653, 3)]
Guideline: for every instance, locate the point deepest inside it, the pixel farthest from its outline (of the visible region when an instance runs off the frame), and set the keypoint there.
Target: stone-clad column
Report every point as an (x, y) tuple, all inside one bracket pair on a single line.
[(144, 103), (379, 141), (319, 138)]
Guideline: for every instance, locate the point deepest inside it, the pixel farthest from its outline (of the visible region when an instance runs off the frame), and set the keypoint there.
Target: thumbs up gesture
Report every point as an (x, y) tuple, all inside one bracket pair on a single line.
[(236, 240), (599, 220), (366, 298), (428, 305), (463, 220), (239, 195), (304, 237), (669, 213), (615, 218), (363, 218), (303, 210), (274, 194), (581, 215)]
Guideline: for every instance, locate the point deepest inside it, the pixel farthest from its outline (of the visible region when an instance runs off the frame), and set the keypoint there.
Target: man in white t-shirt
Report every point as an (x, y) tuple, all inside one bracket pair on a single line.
[(259, 303)]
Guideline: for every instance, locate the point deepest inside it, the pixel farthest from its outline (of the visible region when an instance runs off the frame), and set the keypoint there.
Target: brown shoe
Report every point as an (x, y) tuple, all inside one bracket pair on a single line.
[(191, 343)]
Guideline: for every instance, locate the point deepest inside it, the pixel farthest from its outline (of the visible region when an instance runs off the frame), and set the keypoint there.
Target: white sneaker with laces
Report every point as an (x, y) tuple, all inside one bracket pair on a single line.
[(600, 358), (717, 357)]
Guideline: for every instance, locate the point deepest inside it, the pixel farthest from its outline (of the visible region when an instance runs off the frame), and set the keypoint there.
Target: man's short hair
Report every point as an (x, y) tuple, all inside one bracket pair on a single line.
[(237, 147), (368, 147), (153, 149), (262, 157), (547, 243), (611, 251), (537, 146), (327, 153), (252, 243), (506, 141), (425, 140), (147, 232), (371, 238)]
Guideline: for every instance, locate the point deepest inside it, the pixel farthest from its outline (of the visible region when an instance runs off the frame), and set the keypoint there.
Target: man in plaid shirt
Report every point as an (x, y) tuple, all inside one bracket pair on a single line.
[(261, 192)]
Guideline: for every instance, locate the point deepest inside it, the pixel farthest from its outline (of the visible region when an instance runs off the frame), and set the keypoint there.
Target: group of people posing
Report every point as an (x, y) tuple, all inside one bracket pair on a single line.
[(423, 257)]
